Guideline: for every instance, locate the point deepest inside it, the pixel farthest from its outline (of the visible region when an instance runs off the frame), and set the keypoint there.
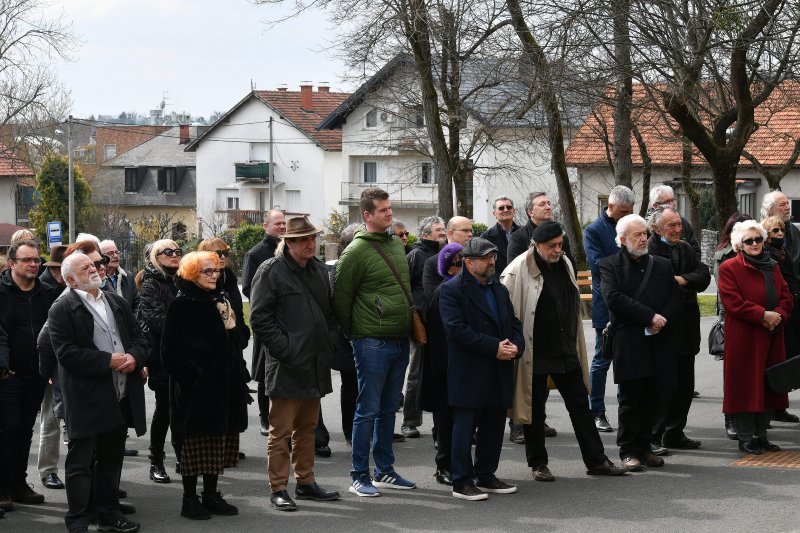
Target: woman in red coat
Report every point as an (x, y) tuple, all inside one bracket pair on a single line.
[(757, 302)]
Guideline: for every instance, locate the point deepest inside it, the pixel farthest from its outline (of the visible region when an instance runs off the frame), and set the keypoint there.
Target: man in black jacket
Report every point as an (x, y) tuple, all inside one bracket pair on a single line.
[(642, 305), (100, 351), (119, 280), (459, 229), (539, 209), (24, 303), (499, 234), (692, 276), (275, 227)]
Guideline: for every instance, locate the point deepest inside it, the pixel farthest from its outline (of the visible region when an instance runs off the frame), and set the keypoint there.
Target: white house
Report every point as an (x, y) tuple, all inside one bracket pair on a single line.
[(233, 157)]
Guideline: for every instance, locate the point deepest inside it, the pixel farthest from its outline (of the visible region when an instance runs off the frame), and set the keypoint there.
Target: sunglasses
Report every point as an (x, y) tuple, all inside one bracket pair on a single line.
[(169, 252), (224, 253), (505, 207), (402, 234), (102, 263), (776, 230), (211, 271), (753, 240)]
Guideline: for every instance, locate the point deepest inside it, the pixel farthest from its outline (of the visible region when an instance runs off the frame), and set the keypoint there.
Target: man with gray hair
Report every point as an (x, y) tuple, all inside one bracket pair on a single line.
[(539, 209), (499, 234), (119, 280), (664, 196), (599, 242)]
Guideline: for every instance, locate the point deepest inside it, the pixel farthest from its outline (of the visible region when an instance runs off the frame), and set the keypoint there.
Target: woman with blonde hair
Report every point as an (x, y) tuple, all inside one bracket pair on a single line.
[(202, 353), (157, 292)]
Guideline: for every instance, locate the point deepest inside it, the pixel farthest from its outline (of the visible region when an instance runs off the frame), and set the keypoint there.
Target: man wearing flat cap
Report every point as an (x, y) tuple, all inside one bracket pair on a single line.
[(483, 339), (292, 315), (544, 292)]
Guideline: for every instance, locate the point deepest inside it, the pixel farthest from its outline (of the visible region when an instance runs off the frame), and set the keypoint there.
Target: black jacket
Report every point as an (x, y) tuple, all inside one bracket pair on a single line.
[(90, 401), (22, 315), (126, 287), (292, 315), (419, 254), (497, 236), (686, 326), (48, 278), (253, 259), (430, 278), (637, 356), (522, 238), (208, 395), (158, 292), (433, 365)]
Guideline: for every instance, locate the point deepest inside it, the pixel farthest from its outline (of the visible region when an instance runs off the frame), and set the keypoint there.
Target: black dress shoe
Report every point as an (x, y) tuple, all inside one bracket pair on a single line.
[(684, 444), (282, 502), (323, 450), (126, 508), (658, 449), (550, 432), (193, 509), (158, 474), (398, 437), (767, 446), (443, 477), (730, 430), (121, 525), (242, 455), (751, 447), (602, 424), (131, 453), (781, 415), (216, 504), (315, 492), (121, 494), (52, 481)]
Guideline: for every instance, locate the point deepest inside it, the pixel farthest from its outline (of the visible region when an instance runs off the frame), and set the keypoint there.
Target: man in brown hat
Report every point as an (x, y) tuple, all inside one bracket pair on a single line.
[(293, 317), (52, 275)]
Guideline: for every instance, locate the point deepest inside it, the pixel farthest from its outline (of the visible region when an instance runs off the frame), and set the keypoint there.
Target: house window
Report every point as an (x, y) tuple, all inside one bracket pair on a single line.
[(418, 117), (131, 180), (602, 203), (370, 172), (259, 151), (232, 203), (427, 174), (109, 151), (168, 179), (747, 203), (293, 201), (371, 119)]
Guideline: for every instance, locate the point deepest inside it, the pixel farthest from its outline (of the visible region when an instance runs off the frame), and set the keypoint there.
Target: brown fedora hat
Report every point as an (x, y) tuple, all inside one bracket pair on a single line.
[(56, 256), (300, 227)]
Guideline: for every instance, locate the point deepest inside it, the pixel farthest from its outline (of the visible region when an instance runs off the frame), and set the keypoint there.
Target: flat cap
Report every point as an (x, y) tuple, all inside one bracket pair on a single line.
[(477, 247), (547, 230)]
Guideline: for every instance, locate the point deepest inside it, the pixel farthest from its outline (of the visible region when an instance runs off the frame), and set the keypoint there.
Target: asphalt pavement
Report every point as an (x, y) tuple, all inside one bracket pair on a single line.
[(698, 490)]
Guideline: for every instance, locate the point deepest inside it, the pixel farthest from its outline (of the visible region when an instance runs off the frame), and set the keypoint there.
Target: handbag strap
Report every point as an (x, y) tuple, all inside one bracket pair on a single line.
[(393, 269)]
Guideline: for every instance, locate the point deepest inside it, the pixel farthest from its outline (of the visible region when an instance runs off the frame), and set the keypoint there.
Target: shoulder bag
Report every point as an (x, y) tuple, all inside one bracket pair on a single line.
[(607, 337), (418, 332)]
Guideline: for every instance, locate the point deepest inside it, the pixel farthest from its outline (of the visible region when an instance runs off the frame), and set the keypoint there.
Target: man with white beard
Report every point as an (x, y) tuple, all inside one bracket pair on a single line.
[(642, 297), (99, 348)]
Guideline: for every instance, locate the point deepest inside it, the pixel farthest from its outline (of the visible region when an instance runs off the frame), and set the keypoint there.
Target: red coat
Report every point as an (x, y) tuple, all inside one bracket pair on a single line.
[(749, 346)]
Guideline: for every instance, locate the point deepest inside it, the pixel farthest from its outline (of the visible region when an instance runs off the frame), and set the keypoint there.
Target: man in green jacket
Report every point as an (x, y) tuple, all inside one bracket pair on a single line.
[(374, 313)]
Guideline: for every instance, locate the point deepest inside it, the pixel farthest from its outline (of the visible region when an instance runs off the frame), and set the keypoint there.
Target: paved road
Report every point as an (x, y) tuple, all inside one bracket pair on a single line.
[(696, 491)]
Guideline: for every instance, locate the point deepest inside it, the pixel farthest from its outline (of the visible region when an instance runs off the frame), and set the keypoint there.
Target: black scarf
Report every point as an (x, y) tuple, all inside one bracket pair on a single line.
[(765, 263)]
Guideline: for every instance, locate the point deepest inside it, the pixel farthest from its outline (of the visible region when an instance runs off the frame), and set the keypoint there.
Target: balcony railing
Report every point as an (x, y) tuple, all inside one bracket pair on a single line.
[(423, 194), (237, 217), (252, 170)]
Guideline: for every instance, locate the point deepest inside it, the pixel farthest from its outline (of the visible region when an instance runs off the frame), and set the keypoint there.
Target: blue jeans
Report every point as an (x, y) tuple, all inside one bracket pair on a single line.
[(20, 399), (597, 376), (381, 370)]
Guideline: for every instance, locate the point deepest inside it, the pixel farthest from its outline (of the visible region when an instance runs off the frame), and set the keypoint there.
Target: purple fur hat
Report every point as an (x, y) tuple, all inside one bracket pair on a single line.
[(446, 256)]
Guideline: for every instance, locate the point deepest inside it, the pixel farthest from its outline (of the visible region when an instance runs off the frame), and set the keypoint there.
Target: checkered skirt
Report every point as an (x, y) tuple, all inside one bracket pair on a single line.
[(209, 454)]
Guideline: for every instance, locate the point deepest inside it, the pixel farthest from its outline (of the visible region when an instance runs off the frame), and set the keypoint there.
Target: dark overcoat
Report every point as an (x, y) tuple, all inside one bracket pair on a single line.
[(475, 377), (203, 360), (497, 236), (749, 347), (635, 354), (252, 260), (87, 387), (433, 366)]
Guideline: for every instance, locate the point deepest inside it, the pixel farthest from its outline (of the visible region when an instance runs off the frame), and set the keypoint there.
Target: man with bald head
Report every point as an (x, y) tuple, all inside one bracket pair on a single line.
[(459, 230)]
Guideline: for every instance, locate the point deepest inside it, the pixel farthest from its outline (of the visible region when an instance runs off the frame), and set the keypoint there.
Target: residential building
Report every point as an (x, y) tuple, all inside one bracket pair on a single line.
[(110, 141), (17, 189)]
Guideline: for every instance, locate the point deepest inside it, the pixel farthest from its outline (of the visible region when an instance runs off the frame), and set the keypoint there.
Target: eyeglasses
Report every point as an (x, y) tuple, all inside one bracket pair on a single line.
[(112, 252), (505, 208), (28, 260), (753, 240), (169, 252), (776, 230), (402, 234), (224, 253), (211, 271), (458, 263), (466, 230)]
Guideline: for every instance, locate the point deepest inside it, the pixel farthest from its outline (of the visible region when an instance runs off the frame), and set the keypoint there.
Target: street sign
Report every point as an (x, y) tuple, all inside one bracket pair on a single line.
[(53, 234)]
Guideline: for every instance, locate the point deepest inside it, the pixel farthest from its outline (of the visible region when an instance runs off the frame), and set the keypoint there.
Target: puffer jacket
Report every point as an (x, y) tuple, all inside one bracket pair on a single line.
[(368, 300), (158, 291)]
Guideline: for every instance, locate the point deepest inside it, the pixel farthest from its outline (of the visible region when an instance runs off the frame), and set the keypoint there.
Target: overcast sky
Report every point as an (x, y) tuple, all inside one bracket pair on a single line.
[(201, 53)]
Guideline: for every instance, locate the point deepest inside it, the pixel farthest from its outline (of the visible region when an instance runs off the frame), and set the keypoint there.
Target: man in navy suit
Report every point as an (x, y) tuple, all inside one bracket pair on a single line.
[(483, 339)]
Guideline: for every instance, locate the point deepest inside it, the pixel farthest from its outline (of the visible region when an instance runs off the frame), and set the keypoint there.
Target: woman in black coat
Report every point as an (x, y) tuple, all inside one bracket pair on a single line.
[(157, 292), (201, 351)]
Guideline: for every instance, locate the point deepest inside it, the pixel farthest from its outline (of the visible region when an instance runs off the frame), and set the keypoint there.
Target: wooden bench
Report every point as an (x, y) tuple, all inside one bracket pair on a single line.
[(585, 285)]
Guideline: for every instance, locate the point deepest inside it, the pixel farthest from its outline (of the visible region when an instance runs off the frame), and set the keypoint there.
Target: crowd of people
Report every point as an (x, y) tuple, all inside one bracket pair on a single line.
[(476, 330)]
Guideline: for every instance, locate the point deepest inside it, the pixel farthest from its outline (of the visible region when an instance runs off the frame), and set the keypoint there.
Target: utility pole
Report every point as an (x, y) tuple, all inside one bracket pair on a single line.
[(269, 171), (71, 190)]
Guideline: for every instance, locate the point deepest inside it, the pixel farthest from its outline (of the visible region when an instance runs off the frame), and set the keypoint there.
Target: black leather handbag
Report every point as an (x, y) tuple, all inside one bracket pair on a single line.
[(716, 338), (784, 377)]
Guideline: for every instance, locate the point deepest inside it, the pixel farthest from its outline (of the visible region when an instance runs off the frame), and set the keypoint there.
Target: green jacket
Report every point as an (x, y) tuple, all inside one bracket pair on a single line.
[(367, 299)]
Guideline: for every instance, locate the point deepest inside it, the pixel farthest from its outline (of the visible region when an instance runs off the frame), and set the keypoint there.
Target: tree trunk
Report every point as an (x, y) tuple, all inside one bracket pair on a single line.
[(686, 180), (647, 170), (623, 94), (724, 191)]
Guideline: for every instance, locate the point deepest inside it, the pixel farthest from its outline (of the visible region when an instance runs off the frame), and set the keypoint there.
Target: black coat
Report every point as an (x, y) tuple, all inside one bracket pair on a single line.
[(635, 355), (126, 287), (475, 377), (420, 252), (292, 315), (522, 238), (253, 259), (430, 277), (497, 236), (208, 395), (47, 277), (433, 373), (686, 326), (87, 386), (158, 292)]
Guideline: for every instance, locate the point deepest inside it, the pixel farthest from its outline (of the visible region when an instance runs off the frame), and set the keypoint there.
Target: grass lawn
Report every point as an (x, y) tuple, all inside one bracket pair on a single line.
[(246, 311), (708, 305)]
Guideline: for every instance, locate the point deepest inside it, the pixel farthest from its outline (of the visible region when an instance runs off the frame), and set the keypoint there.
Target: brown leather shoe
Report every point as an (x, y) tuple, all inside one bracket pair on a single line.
[(631, 464), (651, 460), (542, 473), (606, 468)]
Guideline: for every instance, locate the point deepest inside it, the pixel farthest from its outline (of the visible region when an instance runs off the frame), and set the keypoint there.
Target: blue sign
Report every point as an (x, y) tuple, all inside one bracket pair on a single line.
[(54, 237)]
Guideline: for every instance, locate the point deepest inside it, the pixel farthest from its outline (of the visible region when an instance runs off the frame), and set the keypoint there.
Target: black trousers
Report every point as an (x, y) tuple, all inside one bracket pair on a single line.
[(348, 395), (638, 401), (263, 403), (443, 424), (321, 435), (673, 407), (20, 399), (92, 470), (490, 422), (573, 391), (160, 424)]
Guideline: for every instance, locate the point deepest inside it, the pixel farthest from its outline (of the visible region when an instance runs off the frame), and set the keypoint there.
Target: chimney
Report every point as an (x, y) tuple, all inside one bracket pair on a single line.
[(323, 87), (184, 134), (282, 88), (306, 96)]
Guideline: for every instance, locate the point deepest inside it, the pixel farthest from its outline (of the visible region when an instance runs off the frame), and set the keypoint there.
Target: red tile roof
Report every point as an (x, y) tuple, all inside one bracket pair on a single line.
[(11, 165), (772, 143), (288, 104)]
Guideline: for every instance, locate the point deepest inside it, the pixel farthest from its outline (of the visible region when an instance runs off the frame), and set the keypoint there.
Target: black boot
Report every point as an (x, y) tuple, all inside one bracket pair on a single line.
[(216, 504), (193, 509), (158, 473), (729, 429)]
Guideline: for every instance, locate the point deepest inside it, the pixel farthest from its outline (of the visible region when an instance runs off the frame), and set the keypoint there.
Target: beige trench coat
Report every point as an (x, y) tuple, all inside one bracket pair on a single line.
[(524, 282)]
